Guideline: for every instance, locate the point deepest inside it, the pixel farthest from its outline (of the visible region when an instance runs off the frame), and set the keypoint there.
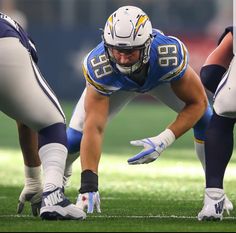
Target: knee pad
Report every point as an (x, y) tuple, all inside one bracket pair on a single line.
[(211, 76), (55, 133), (74, 139), (200, 128)]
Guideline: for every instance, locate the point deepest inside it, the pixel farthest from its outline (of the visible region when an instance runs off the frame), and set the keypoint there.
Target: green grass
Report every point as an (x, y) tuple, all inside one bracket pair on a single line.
[(165, 195)]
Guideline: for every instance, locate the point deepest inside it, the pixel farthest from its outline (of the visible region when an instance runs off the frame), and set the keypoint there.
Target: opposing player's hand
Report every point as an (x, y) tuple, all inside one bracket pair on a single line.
[(150, 152), (34, 197), (89, 201), (152, 147)]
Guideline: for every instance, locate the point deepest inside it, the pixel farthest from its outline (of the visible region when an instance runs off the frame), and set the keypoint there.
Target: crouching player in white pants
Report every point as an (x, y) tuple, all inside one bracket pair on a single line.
[(27, 98)]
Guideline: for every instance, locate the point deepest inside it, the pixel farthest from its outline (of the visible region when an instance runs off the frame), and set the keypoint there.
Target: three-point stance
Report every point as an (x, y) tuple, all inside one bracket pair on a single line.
[(133, 58)]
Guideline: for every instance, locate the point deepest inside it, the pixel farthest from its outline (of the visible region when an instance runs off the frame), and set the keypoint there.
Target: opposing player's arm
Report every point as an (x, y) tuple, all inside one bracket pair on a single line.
[(96, 108), (32, 190), (190, 90), (223, 53), (217, 63)]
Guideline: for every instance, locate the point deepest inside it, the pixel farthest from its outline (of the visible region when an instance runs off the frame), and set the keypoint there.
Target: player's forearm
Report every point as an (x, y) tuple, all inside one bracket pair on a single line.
[(187, 118), (96, 108), (91, 147)]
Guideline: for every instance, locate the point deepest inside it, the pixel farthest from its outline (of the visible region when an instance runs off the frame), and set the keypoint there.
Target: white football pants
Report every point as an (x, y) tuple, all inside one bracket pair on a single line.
[(24, 94), (119, 99), (225, 97)]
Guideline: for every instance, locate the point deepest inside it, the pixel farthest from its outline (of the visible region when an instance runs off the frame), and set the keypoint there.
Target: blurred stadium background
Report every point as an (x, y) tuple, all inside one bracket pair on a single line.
[(65, 30)]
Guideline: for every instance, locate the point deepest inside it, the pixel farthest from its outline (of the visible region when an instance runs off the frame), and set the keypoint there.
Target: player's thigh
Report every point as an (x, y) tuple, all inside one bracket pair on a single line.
[(166, 95), (225, 96), (24, 94), (78, 115), (118, 100)]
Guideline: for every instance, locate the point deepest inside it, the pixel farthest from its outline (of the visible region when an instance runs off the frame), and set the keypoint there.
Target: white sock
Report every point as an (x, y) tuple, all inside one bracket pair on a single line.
[(215, 193), (69, 162), (200, 150), (53, 158), (33, 178)]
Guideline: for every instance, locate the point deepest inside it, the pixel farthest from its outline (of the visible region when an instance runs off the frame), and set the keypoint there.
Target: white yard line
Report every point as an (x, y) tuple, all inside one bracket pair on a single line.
[(151, 216), (122, 216)]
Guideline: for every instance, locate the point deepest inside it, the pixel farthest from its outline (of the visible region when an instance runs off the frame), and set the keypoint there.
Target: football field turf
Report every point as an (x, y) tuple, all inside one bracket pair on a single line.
[(165, 195)]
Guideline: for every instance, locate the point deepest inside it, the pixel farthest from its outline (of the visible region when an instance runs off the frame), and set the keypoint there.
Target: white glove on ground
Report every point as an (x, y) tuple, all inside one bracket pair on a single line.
[(32, 191), (87, 201)]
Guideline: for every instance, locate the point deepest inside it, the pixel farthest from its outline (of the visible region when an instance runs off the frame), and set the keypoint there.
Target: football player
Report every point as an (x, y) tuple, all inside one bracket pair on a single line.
[(133, 58), (219, 136), (26, 97)]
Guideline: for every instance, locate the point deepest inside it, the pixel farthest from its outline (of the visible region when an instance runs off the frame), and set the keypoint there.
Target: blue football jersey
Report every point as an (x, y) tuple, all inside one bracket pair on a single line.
[(168, 62), (10, 28)]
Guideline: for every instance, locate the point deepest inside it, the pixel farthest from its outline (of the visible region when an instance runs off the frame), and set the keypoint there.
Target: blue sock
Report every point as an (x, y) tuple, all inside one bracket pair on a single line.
[(219, 147), (74, 140), (53, 134)]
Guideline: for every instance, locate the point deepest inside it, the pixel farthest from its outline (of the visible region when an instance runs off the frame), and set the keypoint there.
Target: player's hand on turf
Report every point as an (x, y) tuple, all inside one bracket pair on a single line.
[(89, 201), (34, 197), (152, 150)]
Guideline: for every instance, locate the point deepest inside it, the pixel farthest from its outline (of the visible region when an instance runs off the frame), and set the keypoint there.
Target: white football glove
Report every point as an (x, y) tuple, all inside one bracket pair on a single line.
[(32, 196), (153, 147), (87, 201), (32, 191)]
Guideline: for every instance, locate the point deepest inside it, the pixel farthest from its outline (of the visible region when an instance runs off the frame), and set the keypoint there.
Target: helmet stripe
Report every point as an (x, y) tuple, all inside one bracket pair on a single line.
[(141, 22), (110, 23)]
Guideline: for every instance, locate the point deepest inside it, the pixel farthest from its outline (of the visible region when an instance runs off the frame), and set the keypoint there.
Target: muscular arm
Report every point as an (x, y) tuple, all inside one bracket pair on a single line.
[(96, 108), (223, 54), (190, 90), (217, 63)]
